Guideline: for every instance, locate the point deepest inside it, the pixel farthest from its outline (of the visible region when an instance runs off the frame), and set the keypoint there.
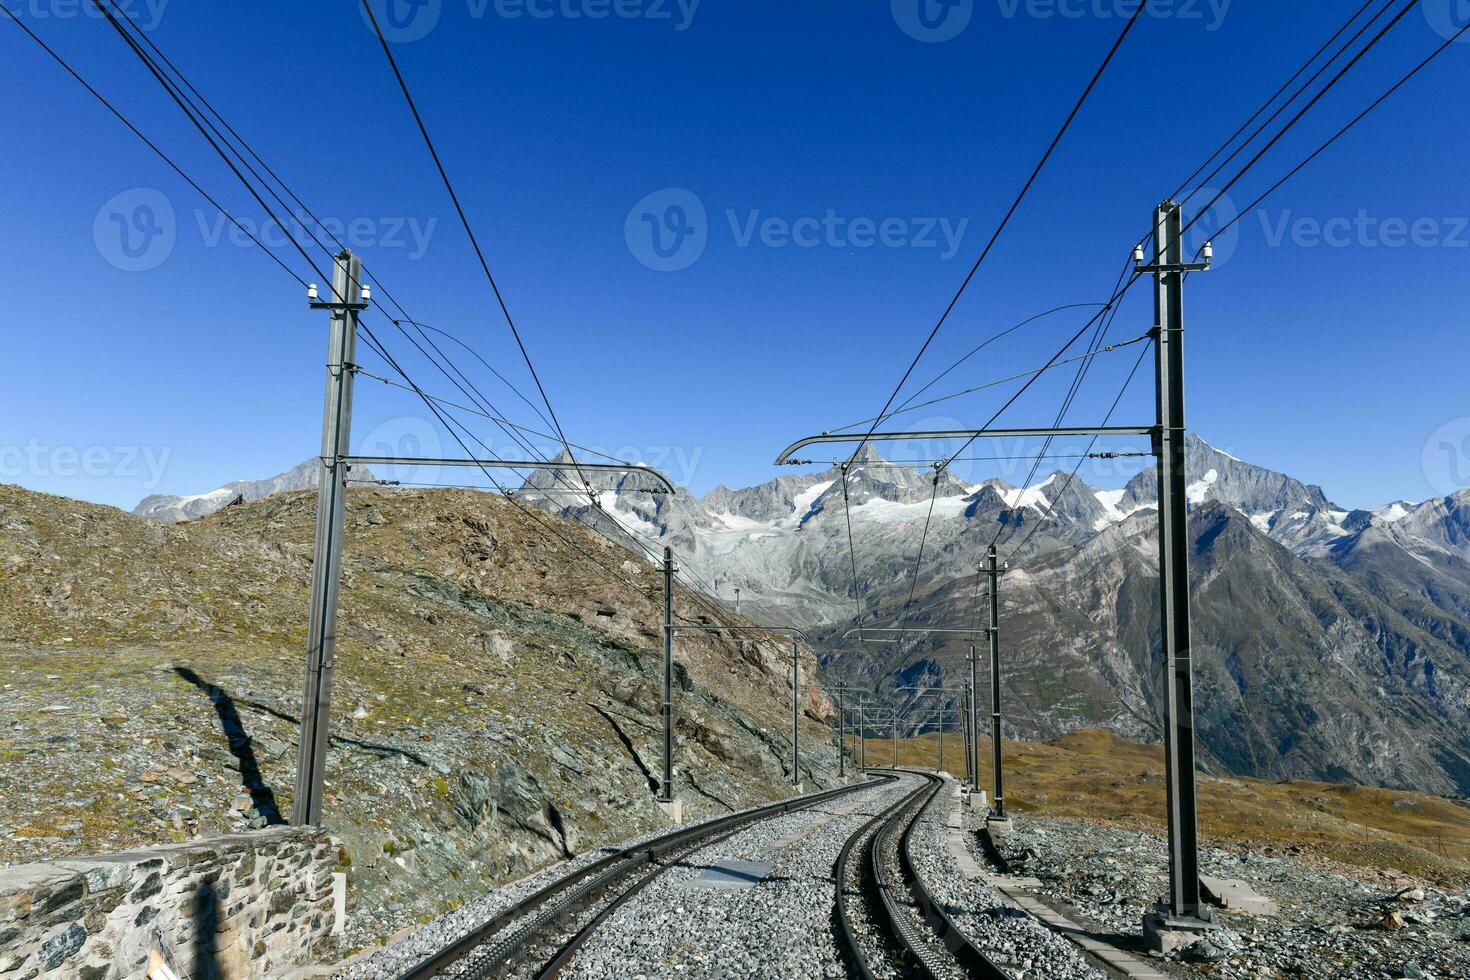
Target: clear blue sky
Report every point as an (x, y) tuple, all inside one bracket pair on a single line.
[(1336, 364)]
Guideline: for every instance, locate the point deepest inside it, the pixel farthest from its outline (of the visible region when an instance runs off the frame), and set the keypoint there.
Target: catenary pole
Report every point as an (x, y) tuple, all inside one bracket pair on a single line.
[(841, 740), (965, 733), (895, 737), (326, 562), (972, 720), (1169, 272), (795, 718), (666, 794), (992, 571)]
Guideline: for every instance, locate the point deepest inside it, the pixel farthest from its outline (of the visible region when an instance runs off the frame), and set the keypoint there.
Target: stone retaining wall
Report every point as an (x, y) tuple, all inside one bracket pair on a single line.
[(247, 905)]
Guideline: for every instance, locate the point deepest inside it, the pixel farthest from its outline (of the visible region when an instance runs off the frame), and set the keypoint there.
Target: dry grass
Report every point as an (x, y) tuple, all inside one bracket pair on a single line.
[(1095, 775)]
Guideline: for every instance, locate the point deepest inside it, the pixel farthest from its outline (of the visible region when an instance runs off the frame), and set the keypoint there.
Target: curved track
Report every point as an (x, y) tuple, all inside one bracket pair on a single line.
[(890, 902), (540, 920)]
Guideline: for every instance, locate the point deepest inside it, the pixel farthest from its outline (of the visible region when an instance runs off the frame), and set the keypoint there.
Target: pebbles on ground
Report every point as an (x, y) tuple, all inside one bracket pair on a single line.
[(779, 927), (1331, 924), (1018, 943)]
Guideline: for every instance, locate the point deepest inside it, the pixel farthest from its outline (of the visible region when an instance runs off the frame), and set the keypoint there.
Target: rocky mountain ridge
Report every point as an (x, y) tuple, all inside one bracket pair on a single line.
[(171, 508)]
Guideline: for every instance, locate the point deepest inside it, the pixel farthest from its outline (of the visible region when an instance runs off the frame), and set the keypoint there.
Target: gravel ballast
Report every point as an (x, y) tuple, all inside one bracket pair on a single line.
[(779, 927), (1331, 923), (391, 961), (1022, 946)]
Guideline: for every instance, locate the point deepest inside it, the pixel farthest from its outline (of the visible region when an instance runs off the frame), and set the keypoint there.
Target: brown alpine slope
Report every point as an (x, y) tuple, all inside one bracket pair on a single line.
[(496, 695)]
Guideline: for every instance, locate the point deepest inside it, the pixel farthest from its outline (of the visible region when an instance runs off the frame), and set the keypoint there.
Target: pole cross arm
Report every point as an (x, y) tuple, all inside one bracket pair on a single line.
[(826, 437), (788, 630), (514, 464), (896, 629)]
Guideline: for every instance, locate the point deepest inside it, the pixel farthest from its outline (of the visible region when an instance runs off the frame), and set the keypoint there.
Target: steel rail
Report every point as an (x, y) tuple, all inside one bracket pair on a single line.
[(849, 946), (532, 919), (911, 949), (914, 950), (870, 883), (969, 956), (571, 947)]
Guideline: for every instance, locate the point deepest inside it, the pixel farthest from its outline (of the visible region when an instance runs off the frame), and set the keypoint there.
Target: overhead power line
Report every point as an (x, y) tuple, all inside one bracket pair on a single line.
[(1362, 52), (194, 101), (1051, 504), (975, 350), (995, 237), (1274, 96), (370, 339), (204, 110), (152, 145), (1088, 355), (469, 230), (1350, 124)]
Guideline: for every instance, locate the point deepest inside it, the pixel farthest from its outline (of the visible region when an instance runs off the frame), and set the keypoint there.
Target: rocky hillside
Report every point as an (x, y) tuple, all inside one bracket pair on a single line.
[(495, 699)]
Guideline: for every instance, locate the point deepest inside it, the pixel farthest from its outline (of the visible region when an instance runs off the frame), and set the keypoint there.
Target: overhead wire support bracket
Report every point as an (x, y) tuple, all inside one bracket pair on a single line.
[(514, 464), (785, 458)]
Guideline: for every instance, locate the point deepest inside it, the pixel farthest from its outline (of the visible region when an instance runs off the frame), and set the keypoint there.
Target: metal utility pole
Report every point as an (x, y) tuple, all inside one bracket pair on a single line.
[(965, 730), (972, 721), (666, 793), (862, 735), (326, 562), (998, 808), (841, 741), (941, 739), (895, 738), (1169, 271), (795, 719)]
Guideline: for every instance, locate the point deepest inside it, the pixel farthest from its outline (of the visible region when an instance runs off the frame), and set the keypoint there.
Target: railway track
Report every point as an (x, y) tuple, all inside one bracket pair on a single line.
[(887, 923), (540, 934), (625, 910)]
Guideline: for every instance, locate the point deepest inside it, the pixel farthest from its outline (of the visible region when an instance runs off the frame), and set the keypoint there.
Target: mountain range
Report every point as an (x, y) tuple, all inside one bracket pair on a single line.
[(172, 509), (1330, 643)]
